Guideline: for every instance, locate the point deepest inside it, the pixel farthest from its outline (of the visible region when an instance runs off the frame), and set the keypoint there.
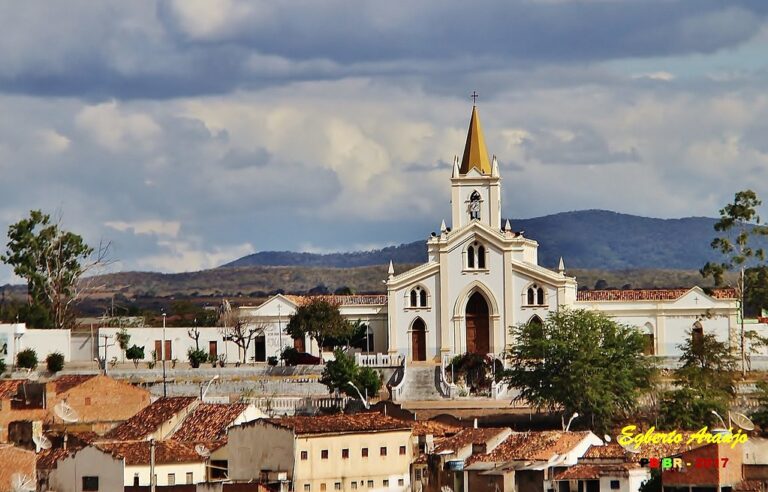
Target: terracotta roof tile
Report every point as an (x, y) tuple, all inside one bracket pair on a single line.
[(611, 450), (46, 459), (531, 446), (351, 300), (468, 437), (749, 486), (15, 460), (150, 418), (434, 428), (62, 384), (209, 422), (9, 387), (646, 294), (137, 452), (340, 423), (593, 472)]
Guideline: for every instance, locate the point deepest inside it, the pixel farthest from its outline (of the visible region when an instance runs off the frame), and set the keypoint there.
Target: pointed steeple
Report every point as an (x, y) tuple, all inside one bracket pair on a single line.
[(391, 269), (475, 153), (455, 167), (442, 226), (507, 226), (561, 266)]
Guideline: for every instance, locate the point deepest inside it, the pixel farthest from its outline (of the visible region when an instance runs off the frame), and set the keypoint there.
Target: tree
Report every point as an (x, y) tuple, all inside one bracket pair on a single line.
[(739, 224), (54, 263), (194, 334), (196, 357), (705, 381), (580, 361), (27, 359), (760, 416), (242, 333), (54, 362), (123, 338), (320, 319), (339, 372), (135, 353)]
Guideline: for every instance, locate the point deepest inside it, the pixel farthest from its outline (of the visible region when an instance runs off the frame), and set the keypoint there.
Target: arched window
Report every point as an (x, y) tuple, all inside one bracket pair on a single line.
[(535, 296), (650, 345), (481, 257), (540, 296), (471, 257), (531, 296), (418, 297), (697, 332)]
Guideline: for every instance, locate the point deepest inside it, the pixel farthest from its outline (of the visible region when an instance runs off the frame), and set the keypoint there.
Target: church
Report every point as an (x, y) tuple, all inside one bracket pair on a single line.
[(482, 277)]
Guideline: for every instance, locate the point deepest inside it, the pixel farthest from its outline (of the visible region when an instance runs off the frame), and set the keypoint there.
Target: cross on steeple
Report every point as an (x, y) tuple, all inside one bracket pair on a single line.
[(474, 97)]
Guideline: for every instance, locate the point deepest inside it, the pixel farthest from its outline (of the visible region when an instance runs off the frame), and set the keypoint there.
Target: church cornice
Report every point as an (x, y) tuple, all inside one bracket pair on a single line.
[(504, 241), (544, 275), (417, 274)]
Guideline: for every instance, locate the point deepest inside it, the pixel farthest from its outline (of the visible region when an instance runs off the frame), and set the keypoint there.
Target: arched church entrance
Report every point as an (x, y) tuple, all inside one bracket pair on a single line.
[(478, 333), (418, 340)]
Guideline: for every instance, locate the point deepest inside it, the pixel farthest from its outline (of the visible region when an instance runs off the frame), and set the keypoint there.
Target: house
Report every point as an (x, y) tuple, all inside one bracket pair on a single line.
[(158, 420), (109, 466), (603, 468), (208, 424), (526, 461), (14, 461), (15, 405), (322, 453), (709, 468), (101, 402)]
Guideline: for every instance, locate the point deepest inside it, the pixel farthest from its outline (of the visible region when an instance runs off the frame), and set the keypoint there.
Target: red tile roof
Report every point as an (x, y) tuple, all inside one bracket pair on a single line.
[(646, 294), (208, 422), (434, 428), (47, 459), (611, 450), (340, 423), (62, 384), (138, 452), (468, 437), (150, 418), (352, 300), (9, 387), (531, 446), (593, 472)]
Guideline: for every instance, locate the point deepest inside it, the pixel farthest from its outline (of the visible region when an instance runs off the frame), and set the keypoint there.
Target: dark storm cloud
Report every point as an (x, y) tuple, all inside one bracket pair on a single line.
[(162, 49)]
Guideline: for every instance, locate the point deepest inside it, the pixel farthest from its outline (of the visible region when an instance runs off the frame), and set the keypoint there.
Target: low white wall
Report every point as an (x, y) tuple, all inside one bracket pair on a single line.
[(180, 342), (16, 337)]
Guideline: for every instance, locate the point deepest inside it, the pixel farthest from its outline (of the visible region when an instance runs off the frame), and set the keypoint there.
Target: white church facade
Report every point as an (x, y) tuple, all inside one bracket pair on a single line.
[(481, 277)]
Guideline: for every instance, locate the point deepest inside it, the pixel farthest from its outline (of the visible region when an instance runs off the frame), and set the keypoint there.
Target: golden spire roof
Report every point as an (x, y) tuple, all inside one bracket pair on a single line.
[(475, 153)]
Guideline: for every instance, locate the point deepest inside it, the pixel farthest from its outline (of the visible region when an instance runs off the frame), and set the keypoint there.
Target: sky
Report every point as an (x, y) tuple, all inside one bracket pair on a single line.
[(188, 133)]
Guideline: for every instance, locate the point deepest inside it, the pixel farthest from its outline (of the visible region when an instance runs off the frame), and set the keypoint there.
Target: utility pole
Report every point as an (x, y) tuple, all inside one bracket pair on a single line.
[(162, 351), (280, 333), (152, 483)]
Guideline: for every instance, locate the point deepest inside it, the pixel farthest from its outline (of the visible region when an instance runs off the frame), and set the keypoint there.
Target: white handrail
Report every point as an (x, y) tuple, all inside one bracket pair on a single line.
[(397, 390)]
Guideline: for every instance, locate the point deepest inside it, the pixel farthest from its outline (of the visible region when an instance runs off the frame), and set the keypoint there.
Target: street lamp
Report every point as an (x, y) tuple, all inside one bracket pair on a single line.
[(203, 393), (364, 399), (280, 333), (162, 351), (567, 427)]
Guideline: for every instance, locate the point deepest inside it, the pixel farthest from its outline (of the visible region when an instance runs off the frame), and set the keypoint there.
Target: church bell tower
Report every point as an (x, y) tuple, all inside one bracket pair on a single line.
[(475, 182)]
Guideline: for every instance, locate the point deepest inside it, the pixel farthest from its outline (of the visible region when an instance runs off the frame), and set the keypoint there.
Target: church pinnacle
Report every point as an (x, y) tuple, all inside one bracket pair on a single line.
[(475, 153)]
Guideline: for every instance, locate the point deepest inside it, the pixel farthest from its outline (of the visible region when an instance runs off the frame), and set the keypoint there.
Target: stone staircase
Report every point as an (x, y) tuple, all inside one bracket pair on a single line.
[(422, 383)]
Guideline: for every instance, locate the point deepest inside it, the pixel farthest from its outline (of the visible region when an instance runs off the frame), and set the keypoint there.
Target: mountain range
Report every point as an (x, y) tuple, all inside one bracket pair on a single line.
[(591, 239)]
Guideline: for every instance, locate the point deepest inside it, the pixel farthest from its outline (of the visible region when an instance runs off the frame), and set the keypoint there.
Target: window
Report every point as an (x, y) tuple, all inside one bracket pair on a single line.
[(364, 453), (90, 483), (474, 205), (337, 486), (471, 257), (417, 474), (190, 478), (615, 485), (697, 332), (87, 400), (536, 296), (171, 479), (649, 348), (322, 487), (353, 485), (135, 479), (306, 487), (324, 454), (476, 256), (304, 455), (481, 257), (383, 451), (418, 297), (345, 453), (385, 483), (400, 482), (402, 450), (370, 484)]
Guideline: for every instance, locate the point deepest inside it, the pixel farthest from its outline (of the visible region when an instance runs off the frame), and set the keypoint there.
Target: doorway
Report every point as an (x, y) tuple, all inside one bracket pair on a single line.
[(478, 335)]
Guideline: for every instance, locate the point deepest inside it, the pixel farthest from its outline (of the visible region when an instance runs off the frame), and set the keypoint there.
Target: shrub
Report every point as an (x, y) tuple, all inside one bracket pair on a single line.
[(135, 353), (26, 359), (289, 356), (272, 360), (54, 362), (368, 380), (196, 357), (2, 366)]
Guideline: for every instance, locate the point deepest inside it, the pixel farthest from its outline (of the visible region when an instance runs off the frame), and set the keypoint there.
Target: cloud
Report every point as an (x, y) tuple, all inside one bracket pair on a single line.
[(115, 129), (579, 146), (154, 227)]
